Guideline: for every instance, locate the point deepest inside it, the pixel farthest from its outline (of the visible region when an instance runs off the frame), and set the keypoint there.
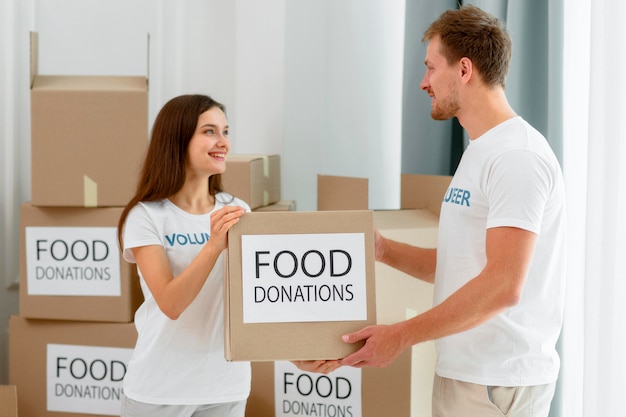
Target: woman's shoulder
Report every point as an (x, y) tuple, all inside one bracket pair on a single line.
[(149, 208), (153, 205)]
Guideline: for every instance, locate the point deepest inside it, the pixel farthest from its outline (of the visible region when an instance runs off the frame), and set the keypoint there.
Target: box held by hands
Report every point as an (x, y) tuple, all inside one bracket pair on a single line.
[(296, 282)]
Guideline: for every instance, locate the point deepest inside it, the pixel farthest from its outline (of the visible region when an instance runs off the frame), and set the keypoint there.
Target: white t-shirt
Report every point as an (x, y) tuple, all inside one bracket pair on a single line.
[(507, 177), (181, 361)]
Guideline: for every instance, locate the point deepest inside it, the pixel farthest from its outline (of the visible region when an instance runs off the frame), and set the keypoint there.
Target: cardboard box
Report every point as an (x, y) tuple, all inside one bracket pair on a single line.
[(68, 368), (88, 137), (253, 178), (71, 266), (397, 293), (283, 205), (8, 401), (295, 282), (423, 191), (281, 390), (341, 193), (416, 223), (417, 191)]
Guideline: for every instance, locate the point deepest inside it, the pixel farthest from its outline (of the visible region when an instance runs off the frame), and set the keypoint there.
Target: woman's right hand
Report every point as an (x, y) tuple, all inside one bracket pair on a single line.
[(221, 222), (317, 366)]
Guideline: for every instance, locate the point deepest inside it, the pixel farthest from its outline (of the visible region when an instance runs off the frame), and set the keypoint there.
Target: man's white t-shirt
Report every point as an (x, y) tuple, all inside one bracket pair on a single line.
[(507, 177), (181, 361)]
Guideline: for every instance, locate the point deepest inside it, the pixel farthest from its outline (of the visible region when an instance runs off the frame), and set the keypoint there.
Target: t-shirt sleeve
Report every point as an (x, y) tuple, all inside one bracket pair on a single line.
[(139, 230), (518, 187)]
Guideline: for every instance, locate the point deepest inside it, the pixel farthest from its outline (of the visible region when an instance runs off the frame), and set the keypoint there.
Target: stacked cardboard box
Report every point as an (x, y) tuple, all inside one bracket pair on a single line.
[(69, 345), (88, 136), (75, 331), (405, 388), (255, 178)]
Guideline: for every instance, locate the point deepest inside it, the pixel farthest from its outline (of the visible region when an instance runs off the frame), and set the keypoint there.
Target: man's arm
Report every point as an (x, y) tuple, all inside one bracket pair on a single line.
[(499, 285), (412, 260)]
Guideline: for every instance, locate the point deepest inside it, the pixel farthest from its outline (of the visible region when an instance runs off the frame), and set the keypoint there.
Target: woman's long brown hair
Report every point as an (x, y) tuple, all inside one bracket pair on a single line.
[(163, 172)]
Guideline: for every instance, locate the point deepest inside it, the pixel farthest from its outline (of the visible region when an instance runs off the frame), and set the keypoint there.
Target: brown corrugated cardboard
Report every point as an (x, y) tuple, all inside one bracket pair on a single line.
[(71, 267), (396, 292), (253, 178), (341, 193), (384, 392), (350, 193), (423, 191), (290, 337), (56, 363), (283, 205), (88, 137), (8, 401)]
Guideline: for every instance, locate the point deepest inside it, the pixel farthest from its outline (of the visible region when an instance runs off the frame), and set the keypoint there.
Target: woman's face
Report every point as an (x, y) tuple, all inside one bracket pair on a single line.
[(209, 145)]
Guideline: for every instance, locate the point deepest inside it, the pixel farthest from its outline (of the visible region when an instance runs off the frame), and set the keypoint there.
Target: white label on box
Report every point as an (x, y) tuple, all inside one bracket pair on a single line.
[(303, 277), (73, 261), (83, 379), (299, 393)]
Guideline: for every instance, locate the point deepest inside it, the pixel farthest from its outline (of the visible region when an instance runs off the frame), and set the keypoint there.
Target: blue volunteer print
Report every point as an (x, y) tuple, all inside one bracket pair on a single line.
[(184, 239), (457, 196)]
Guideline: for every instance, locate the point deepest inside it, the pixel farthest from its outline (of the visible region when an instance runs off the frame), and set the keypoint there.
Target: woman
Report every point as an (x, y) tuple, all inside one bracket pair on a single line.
[(175, 230)]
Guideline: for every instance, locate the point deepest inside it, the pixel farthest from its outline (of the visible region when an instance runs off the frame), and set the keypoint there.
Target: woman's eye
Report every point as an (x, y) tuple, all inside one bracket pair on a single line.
[(225, 133), (209, 131)]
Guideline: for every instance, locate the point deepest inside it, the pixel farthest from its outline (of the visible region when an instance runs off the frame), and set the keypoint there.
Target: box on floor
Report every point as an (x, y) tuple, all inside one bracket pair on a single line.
[(68, 368), (8, 401), (279, 389), (398, 294)]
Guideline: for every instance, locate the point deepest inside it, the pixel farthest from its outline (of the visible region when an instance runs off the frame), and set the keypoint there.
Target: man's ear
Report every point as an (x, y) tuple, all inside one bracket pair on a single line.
[(466, 68)]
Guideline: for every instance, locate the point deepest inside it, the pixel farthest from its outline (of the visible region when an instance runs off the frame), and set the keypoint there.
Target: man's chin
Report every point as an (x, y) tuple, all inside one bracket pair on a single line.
[(440, 116)]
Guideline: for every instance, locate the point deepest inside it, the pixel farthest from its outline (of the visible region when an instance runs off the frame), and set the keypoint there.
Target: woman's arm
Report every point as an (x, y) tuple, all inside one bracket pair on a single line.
[(174, 295)]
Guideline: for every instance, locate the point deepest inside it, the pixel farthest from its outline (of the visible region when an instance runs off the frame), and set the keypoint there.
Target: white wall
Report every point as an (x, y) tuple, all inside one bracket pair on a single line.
[(317, 81), (343, 102)]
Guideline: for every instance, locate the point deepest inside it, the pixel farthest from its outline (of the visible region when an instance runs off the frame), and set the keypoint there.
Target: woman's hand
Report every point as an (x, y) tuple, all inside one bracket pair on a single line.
[(319, 366), (221, 222)]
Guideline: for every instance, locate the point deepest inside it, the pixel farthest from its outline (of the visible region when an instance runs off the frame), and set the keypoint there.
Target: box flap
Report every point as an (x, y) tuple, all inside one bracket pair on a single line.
[(34, 56), (423, 191), (341, 193), (148, 60), (34, 59)]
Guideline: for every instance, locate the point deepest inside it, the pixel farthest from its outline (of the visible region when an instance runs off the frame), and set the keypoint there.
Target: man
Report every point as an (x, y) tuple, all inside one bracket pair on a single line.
[(498, 269)]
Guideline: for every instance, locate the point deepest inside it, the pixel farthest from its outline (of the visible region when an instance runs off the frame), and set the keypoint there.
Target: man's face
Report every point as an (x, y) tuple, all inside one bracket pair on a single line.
[(440, 83)]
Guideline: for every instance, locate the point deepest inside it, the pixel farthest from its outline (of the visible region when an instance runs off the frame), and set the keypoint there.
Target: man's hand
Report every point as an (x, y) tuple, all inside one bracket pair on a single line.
[(383, 345)]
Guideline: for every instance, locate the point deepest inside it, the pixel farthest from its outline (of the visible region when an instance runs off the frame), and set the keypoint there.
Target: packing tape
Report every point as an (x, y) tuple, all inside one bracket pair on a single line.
[(266, 166), (90, 192), (266, 197)]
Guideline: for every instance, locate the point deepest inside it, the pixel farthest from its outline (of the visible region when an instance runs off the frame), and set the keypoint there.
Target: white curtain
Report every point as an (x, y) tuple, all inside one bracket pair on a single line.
[(594, 337)]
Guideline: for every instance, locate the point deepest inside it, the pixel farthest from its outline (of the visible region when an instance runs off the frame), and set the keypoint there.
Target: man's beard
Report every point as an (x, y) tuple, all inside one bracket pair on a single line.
[(447, 108)]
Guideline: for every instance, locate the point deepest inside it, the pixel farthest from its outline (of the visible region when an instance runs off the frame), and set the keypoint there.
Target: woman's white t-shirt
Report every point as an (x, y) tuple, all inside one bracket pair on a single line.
[(181, 361), (507, 177)]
